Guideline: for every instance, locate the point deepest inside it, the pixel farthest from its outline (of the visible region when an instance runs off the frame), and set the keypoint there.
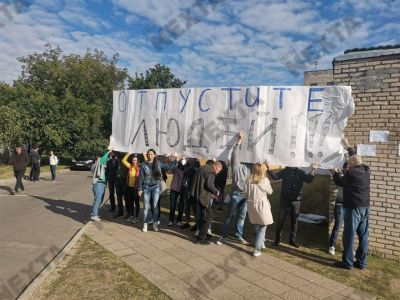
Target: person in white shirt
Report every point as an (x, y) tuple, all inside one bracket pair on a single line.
[(53, 165)]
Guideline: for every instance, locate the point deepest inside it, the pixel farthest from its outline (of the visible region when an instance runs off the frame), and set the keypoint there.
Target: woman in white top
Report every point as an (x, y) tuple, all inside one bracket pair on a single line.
[(53, 165), (256, 189)]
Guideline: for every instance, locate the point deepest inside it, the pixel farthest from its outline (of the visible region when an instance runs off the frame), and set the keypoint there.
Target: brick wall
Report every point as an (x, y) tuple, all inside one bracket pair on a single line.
[(320, 77), (375, 82)]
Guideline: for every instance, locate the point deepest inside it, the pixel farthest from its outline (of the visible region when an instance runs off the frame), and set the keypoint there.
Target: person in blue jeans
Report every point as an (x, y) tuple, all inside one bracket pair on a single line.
[(356, 197), (338, 209), (149, 184), (240, 173), (99, 184)]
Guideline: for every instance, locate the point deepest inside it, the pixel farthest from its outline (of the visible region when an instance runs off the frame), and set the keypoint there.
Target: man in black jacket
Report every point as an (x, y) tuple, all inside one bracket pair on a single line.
[(203, 189), (291, 195), (112, 170), (355, 183), (20, 161)]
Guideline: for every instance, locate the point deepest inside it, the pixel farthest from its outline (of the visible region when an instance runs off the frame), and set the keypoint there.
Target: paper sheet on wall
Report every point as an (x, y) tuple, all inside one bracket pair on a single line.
[(288, 126), (379, 136), (366, 150)]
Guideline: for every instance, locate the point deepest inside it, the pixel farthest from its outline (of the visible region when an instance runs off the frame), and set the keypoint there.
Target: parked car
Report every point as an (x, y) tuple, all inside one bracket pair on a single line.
[(82, 164)]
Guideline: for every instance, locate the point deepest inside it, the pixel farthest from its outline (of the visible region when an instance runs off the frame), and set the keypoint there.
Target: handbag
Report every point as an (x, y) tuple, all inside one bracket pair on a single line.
[(163, 186)]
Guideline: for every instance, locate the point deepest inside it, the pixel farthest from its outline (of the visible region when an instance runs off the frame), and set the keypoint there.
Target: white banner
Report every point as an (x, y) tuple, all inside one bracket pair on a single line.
[(288, 126)]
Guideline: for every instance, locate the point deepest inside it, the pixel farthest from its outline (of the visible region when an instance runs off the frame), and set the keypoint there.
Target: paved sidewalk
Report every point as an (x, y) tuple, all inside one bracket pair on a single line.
[(185, 270)]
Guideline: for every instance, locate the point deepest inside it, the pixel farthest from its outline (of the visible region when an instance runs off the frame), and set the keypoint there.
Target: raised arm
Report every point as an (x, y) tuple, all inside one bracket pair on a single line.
[(125, 161)]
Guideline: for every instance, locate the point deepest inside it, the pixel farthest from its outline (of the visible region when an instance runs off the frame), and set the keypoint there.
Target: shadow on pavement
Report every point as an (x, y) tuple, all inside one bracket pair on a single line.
[(7, 189), (77, 211)]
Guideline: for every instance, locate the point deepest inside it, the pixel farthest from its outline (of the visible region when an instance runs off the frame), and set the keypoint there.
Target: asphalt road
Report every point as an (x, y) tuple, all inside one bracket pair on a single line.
[(37, 224)]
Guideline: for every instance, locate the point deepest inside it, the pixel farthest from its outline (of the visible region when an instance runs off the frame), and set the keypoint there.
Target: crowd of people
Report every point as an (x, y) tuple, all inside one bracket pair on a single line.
[(20, 161), (195, 189)]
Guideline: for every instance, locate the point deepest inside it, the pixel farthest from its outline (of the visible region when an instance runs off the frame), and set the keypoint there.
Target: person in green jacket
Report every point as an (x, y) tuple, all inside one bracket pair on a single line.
[(99, 184)]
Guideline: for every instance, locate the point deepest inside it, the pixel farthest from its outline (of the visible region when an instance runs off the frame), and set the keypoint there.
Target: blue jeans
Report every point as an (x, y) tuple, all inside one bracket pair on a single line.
[(53, 170), (355, 221), (260, 236), (237, 200), (98, 193), (151, 196), (339, 218)]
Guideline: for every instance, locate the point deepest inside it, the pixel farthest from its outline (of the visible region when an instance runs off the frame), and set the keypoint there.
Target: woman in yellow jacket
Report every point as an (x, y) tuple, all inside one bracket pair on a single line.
[(132, 203)]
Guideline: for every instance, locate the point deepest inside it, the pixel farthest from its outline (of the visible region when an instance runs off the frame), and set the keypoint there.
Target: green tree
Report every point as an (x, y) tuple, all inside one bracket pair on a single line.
[(158, 77), (10, 127)]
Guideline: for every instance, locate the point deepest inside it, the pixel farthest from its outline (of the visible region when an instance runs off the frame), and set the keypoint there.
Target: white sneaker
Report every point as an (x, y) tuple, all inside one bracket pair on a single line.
[(243, 241), (170, 223), (331, 250), (144, 227), (158, 222), (95, 218), (220, 241), (209, 232), (179, 224), (155, 226), (197, 232), (256, 253), (263, 245)]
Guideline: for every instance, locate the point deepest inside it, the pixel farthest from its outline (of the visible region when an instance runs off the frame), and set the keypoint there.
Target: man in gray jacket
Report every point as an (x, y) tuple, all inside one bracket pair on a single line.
[(240, 172)]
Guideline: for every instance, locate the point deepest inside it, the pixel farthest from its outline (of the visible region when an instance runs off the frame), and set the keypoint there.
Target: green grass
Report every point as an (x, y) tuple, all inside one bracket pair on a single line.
[(95, 273), (382, 276), (6, 171)]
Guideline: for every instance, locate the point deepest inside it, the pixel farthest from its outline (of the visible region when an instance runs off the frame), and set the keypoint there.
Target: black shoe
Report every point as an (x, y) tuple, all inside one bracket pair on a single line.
[(340, 265), (111, 209), (194, 228), (294, 244), (358, 266), (276, 243), (202, 242), (208, 237), (185, 226)]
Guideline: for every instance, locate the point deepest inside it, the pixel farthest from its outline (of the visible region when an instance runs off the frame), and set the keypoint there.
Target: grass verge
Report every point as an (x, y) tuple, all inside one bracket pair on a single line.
[(6, 171), (92, 272)]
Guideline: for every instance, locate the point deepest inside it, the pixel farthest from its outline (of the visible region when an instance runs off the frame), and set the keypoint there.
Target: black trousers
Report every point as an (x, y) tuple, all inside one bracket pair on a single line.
[(207, 214), (35, 171), (18, 176), (120, 188), (293, 207), (132, 202), (189, 203), (111, 194)]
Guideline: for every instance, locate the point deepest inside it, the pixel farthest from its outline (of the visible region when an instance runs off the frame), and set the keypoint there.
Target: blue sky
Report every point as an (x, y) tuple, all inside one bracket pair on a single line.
[(206, 42)]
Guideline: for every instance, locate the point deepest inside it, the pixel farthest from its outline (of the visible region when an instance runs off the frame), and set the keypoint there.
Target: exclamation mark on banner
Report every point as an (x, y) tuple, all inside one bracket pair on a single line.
[(312, 127), (325, 129), (293, 137)]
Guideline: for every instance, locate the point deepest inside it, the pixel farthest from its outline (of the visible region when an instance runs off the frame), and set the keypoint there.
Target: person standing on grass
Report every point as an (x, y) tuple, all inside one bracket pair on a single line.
[(339, 210), (190, 204), (53, 165), (291, 195), (131, 161), (204, 190), (240, 173), (20, 161), (256, 189), (35, 158), (112, 170), (356, 203), (99, 184), (149, 184), (175, 194)]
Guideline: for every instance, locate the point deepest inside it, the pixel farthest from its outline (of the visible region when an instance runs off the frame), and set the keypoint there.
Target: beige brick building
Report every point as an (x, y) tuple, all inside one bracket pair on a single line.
[(320, 77), (374, 76)]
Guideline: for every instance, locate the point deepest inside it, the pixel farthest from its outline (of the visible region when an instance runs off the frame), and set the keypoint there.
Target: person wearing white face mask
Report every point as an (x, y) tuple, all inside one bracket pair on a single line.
[(175, 194)]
